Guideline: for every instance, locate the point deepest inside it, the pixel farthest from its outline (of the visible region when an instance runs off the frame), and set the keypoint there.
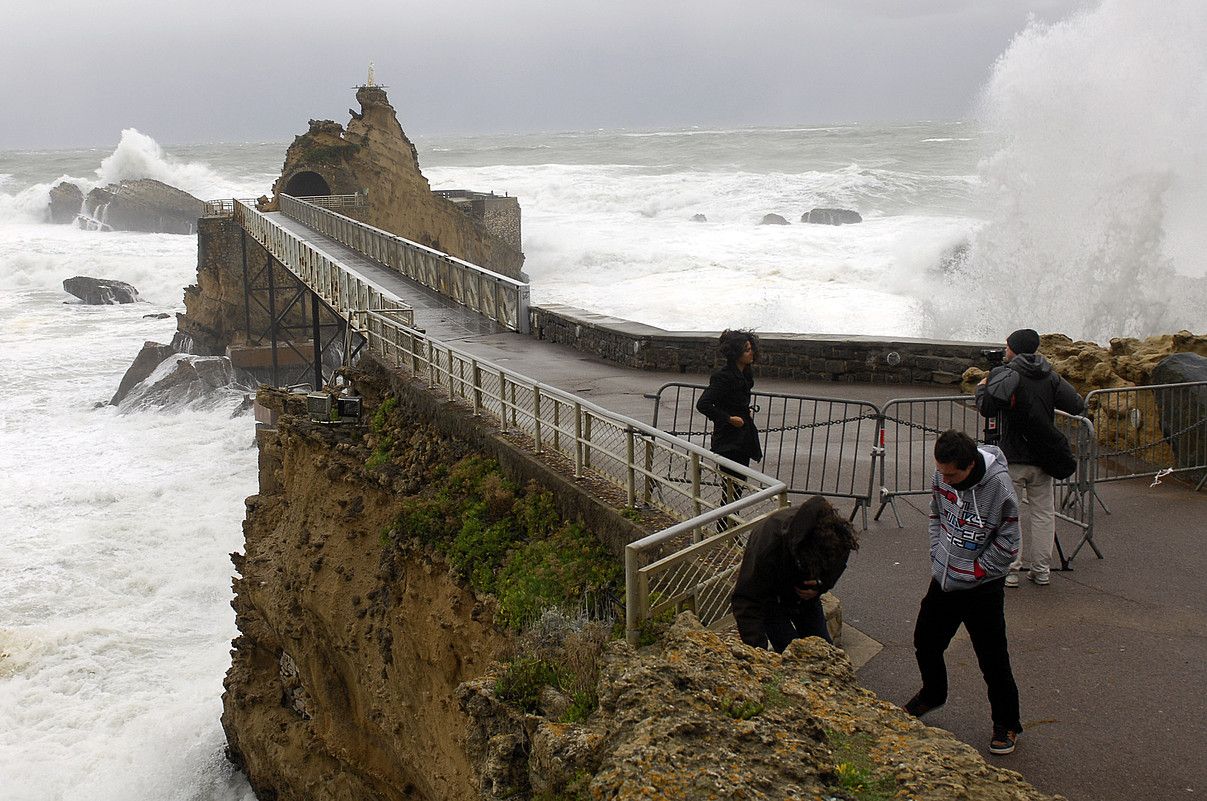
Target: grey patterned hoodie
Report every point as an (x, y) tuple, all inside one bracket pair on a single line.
[(974, 533)]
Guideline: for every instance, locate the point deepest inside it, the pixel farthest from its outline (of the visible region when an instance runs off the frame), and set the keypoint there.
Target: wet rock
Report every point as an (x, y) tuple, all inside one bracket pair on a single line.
[(143, 205), (831, 217), (100, 291), (773, 219), (191, 381), (66, 200), (150, 357), (699, 218), (160, 316)]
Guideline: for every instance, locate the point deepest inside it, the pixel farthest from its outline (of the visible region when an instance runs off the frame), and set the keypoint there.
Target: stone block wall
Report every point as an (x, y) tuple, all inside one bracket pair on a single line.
[(807, 357)]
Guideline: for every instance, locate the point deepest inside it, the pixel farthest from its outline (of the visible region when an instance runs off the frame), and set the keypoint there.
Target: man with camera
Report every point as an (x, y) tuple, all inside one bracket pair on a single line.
[(1026, 391)]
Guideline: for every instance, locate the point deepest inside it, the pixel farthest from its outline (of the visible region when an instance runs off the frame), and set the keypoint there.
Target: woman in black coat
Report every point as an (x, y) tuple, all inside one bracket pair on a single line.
[(726, 402)]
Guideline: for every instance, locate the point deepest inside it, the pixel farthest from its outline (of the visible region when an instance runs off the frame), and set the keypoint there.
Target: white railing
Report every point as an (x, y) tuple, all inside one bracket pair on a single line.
[(356, 201), (686, 566), (345, 292), (223, 208), (497, 297)]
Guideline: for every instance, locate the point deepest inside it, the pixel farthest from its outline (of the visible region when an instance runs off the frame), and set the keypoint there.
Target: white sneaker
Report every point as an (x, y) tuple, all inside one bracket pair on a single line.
[(1042, 579), (1012, 579)]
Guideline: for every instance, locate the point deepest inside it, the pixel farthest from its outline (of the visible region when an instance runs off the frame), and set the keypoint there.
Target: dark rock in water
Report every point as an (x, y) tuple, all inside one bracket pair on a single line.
[(955, 257), (100, 291), (66, 200), (831, 217), (150, 357), (191, 381), (1183, 409), (699, 218), (773, 219), (160, 316), (143, 205)]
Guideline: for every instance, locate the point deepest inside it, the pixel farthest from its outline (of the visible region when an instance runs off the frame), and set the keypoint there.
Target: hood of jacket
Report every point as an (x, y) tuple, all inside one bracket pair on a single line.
[(974, 531), (1031, 365)]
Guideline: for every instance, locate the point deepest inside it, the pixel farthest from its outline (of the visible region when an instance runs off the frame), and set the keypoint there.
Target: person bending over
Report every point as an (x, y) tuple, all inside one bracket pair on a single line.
[(791, 558)]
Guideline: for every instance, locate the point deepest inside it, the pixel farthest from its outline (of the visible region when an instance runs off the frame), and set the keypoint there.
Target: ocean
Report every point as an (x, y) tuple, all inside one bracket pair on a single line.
[(1081, 217)]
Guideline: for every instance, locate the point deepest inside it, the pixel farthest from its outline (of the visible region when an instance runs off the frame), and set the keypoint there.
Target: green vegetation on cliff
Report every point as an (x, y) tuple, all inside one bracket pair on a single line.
[(507, 540)]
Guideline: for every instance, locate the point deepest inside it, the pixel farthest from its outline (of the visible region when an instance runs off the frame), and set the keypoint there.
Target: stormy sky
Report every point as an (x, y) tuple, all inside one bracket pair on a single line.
[(76, 73)]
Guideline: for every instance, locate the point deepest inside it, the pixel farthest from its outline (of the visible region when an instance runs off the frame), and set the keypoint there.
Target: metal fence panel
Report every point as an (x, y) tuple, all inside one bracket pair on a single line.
[(1151, 430)]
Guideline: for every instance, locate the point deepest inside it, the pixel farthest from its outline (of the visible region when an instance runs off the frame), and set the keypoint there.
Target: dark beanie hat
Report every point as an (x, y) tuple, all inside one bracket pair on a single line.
[(1024, 340)]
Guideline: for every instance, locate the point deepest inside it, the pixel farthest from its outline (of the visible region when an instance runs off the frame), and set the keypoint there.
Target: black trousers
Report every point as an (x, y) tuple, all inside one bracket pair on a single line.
[(806, 619), (982, 611)]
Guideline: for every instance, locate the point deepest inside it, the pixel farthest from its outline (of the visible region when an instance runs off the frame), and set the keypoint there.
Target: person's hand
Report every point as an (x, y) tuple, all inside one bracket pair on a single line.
[(736, 421), (807, 590), (984, 380)]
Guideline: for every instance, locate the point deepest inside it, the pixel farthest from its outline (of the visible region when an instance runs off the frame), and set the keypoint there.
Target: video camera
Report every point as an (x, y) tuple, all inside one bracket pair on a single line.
[(994, 357)]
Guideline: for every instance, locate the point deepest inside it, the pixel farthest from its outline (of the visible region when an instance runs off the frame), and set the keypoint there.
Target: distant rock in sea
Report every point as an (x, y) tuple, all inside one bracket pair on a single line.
[(66, 200), (831, 217), (773, 219), (100, 291), (699, 218), (143, 205)]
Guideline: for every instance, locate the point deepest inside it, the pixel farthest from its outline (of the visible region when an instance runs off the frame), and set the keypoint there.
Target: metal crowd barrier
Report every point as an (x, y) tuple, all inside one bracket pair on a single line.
[(910, 425), (817, 446), (495, 296), (1150, 430), (342, 290), (690, 564)]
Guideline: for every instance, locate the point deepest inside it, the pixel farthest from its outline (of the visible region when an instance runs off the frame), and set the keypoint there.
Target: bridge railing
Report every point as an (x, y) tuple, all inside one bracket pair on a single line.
[(343, 291), (687, 565), (356, 201), (223, 207), (497, 297)]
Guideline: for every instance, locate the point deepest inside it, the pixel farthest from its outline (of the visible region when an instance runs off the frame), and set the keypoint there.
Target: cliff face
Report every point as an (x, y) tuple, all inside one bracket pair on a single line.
[(342, 679), (374, 157)]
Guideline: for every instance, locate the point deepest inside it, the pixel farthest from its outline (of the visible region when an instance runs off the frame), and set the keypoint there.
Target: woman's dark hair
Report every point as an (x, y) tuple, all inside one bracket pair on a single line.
[(955, 447), (825, 550), (733, 343)]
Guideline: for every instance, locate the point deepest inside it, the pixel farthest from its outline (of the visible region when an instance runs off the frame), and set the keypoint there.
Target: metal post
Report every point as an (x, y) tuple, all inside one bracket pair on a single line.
[(477, 373), (317, 337), (502, 400), (631, 469), (536, 418), (647, 495), (697, 506), (431, 372), (587, 442), (272, 316), (578, 440), (557, 425), (632, 609)]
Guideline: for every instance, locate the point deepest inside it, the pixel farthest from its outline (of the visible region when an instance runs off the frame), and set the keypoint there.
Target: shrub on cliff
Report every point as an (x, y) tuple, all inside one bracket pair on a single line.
[(507, 541)]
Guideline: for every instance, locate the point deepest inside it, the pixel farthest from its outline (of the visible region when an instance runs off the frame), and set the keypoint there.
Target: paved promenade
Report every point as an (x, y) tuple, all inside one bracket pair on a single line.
[(1111, 658)]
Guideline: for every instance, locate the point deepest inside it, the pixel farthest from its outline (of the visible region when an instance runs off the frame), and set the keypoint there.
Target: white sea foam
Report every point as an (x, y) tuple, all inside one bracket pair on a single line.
[(1096, 197)]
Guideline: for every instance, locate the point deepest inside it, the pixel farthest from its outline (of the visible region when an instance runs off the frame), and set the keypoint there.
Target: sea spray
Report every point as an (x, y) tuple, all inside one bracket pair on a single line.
[(1094, 193)]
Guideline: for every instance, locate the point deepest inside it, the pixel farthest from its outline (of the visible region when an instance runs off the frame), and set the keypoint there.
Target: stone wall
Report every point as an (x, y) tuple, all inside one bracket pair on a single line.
[(808, 357)]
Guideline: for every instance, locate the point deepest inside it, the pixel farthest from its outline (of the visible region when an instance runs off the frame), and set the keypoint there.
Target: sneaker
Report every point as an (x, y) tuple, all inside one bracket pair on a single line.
[(1041, 579), (1012, 579), (1003, 740), (917, 707)]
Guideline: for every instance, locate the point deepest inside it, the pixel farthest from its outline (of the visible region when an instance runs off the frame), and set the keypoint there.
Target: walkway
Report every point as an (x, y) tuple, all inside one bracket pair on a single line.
[(1111, 659)]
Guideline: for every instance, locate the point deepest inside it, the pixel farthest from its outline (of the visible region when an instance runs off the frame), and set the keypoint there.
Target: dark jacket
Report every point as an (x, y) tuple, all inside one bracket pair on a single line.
[(770, 571), (728, 395), (1025, 388)]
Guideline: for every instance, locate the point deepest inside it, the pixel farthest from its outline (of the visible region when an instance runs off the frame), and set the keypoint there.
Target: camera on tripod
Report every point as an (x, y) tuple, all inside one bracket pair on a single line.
[(994, 357)]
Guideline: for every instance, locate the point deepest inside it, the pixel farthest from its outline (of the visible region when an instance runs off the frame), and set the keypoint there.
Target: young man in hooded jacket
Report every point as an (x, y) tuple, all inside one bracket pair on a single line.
[(1024, 391), (974, 538), (791, 559)]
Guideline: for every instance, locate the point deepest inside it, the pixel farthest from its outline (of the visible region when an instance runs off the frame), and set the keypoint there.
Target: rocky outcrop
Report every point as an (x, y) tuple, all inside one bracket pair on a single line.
[(1089, 366), (100, 291), (699, 218), (150, 357), (831, 217), (773, 219), (143, 205), (702, 716), (374, 157), (66, 202), (192, 381)]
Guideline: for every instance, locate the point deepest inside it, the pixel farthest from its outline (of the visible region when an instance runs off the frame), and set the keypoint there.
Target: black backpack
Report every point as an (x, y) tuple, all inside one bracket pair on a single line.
[(1048, 445)]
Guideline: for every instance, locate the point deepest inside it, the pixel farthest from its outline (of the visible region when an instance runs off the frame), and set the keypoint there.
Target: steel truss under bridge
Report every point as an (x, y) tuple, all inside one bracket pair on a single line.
[(296, 320)]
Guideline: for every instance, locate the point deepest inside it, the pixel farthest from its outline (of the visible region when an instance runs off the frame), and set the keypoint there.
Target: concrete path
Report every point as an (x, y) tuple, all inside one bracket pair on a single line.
[(1111, 658)]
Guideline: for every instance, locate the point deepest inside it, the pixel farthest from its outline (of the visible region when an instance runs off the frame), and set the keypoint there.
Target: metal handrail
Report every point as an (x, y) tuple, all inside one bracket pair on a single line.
[(354, 201), (620, 449), (495, 296), (342, 290)]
